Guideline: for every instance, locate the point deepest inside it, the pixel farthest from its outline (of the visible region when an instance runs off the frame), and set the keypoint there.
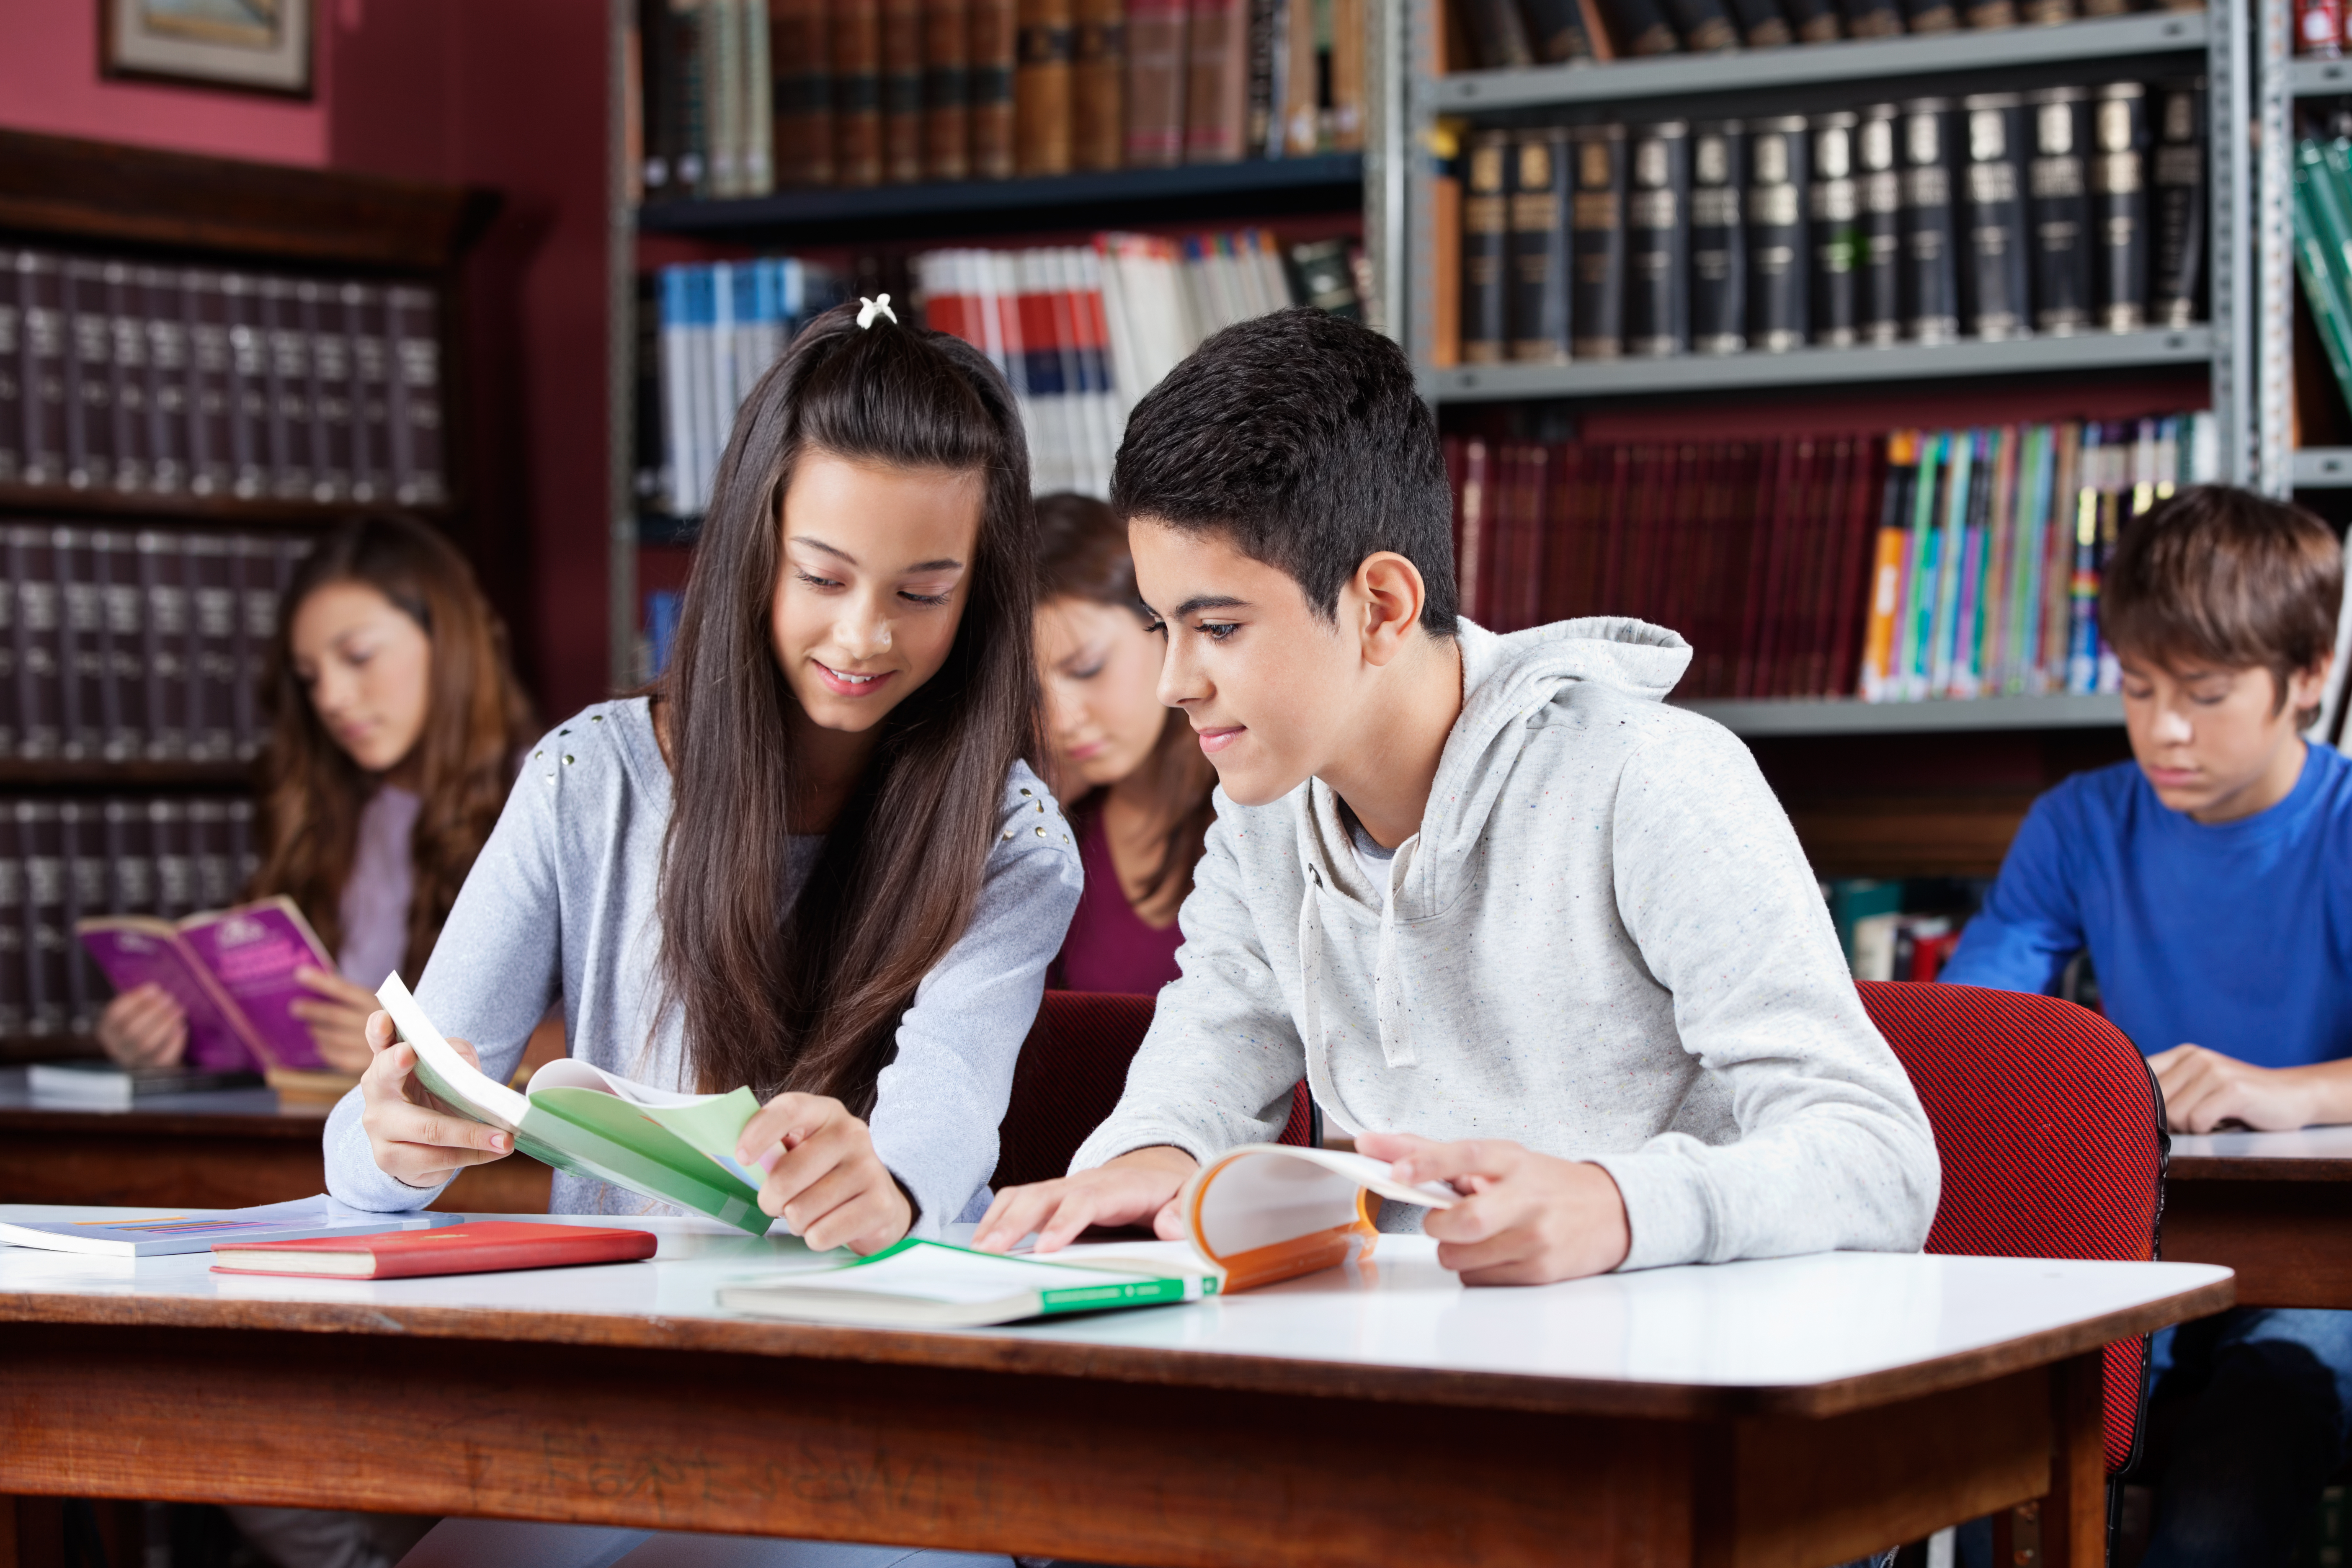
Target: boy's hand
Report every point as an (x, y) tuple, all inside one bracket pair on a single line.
[(2203, 1089), (1525, 1218), (413, 1137), (1138, 1186), (824, 1180)]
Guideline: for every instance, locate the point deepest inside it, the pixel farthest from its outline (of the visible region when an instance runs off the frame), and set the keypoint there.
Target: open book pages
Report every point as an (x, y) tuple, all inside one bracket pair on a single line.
[(1267, 1212), (674, 1148), (929, 1284), (195, 1230)]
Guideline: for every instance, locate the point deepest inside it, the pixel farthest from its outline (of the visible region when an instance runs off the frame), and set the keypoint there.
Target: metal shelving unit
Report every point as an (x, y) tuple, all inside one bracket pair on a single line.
[(2322, 468), (1848, 717)]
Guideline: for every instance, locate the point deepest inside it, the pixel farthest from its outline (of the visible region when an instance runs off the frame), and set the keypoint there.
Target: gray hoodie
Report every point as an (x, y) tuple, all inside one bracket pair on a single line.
[(1604, 944)]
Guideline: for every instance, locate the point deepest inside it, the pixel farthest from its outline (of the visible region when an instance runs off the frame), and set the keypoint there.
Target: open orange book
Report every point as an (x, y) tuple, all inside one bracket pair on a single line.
[(1268, 1212)]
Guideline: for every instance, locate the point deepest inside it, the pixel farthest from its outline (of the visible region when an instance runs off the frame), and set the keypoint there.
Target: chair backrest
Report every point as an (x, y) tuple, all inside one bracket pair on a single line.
[(1072, 1070), (2052, 1139)]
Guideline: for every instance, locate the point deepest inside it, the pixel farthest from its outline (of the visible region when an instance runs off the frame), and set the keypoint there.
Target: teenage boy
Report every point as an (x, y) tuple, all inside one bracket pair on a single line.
[(1521, 926), (2209, 880)]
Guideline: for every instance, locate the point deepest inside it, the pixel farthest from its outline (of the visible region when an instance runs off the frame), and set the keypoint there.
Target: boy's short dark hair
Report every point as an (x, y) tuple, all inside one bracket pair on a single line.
[(1301, 437), (2223, 576)]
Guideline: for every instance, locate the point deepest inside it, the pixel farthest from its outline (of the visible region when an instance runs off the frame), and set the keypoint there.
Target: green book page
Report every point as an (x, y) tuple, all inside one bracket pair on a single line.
[(603, 1137)]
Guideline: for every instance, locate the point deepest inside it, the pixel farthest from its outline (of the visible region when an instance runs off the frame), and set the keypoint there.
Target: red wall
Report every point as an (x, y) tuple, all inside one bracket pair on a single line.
[(510, 94)]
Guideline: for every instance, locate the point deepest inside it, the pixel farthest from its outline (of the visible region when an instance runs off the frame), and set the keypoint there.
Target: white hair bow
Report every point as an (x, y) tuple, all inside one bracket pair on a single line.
[(878, 306)]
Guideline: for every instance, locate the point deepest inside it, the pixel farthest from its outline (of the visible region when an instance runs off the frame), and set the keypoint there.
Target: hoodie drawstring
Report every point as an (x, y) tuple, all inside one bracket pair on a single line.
[(1388, 986)]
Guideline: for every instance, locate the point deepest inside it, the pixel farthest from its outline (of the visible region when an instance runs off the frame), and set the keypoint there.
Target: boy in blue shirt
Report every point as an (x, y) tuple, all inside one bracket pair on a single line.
[(2210, 881)]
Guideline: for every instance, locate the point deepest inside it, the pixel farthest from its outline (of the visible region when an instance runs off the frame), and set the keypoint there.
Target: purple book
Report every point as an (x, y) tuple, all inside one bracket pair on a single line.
[(231, 970)]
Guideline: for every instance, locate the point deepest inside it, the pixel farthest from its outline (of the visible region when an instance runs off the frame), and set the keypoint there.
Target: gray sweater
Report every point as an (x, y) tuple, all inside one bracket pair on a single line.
[(1604, 944), (560, 905)]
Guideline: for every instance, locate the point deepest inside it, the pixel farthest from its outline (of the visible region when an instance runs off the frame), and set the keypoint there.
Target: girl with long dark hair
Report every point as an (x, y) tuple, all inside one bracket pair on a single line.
[(395, 723), (812, 860), (1138, 786)]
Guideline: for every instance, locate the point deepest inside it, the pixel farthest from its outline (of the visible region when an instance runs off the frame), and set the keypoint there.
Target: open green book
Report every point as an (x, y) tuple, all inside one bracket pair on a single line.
[(585, 1121), (931, 1285)]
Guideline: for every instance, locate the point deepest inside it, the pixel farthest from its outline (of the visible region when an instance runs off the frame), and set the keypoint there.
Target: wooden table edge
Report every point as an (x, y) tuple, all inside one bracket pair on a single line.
[(1122, 1363), (2237, 1168), (302, 1122)]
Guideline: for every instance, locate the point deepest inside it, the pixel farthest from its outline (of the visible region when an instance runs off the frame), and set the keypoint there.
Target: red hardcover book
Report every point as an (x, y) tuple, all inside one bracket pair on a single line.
[(1861, 535), (1471, 529), (1784, 608), (487, 1247), (1565, 553)]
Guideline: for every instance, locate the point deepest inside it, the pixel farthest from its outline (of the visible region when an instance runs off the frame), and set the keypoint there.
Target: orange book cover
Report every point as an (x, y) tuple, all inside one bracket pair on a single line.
[(485, 1248)]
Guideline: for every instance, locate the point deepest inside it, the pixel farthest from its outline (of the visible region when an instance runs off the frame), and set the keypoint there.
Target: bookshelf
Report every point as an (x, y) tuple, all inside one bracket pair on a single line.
[(1847, 717)]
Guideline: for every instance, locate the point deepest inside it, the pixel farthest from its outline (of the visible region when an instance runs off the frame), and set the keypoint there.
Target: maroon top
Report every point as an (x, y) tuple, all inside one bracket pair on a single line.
[(1109, 948)]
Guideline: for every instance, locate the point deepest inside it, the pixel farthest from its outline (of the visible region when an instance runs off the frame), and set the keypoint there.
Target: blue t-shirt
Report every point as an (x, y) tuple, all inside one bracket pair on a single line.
[(2237, 937)]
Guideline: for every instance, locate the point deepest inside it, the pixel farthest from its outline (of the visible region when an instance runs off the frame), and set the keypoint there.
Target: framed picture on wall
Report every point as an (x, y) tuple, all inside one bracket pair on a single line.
[(251, 46)]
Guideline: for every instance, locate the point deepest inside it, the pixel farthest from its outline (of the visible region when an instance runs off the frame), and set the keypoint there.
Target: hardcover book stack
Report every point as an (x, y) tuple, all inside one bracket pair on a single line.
[(741, 96), (64, 861), (2323, 242), (1911, 567), (1505, 35), (1994, 216), (137, 381), (119, 646)]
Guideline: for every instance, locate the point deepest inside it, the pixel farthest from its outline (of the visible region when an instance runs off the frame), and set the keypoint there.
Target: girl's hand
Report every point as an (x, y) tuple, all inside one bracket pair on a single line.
[(412, 1139), (143, 1028), (2203, 1088), (338, 1022), (825, 1180)]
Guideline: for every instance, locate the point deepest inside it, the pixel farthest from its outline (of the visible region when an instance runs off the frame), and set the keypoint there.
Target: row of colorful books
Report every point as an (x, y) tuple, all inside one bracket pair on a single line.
[(723, 323), (137, 647), (65, 861), (737, 98), (117, 375), (1504, 34), (2323, 241), (1894, 567), (2061, 211)]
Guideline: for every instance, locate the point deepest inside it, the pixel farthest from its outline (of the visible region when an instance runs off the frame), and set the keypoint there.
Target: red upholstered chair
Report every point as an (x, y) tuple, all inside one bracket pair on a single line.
[(1072, 1067), (2052, 1136)]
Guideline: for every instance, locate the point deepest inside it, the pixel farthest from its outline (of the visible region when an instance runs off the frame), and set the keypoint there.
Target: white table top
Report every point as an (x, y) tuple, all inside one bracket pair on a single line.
[(1773, 1324), (2311, 1144)]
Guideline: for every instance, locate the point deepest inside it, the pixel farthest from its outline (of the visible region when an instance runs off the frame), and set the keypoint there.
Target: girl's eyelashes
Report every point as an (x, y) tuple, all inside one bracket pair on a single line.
[(812, 580), (1088, 673), (914, 598)]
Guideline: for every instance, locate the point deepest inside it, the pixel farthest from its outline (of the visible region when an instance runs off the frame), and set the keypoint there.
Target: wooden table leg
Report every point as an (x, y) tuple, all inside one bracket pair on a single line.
[(2074, 1517)]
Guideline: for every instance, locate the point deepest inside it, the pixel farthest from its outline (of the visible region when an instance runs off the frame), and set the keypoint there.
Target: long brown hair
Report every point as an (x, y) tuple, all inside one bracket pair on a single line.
[(810, 1000), (1082, 555), (477, 721)]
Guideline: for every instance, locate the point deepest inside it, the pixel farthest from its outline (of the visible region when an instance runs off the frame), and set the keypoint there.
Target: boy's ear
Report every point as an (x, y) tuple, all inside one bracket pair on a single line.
[(2308, 688), (1391, 594)]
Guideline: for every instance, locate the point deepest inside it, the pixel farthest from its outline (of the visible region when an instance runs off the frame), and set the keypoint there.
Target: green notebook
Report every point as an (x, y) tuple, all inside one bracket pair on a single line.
[(931, 1285), (585, 1121)]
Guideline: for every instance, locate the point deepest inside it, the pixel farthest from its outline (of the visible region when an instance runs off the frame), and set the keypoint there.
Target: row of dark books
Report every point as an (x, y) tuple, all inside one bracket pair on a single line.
[(741, 96), (120, 377), (1502, 35), (1999, 215), (137, 647), (1907, 567), (64, 861)]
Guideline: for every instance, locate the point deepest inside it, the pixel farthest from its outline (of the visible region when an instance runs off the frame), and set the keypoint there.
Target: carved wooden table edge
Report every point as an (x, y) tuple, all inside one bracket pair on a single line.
[(1131, 1364), (2194, 1168)]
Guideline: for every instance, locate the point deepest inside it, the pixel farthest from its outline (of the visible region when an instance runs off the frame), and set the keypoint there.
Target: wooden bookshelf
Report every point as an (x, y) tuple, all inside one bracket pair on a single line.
[(1847, 716)]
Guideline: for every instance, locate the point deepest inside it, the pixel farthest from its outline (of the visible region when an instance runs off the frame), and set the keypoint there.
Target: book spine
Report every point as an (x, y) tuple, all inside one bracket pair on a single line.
[(1993, 208), (1536, 247), (2060, 211), (1156, 61), (414, 333), (175, 867), (81, 834), (902, 91), (1718, 239), (127, 365), (1445, 217), (1304, 85), (2119, 204), (82, 732), (1657, 210), (2177, 271), (329, 393), (1703, 26), (1041, 90), (286, 359), (1813, 21), (1777, 251), (1639, 28), (12, 378), (1880, 294), (2319, 29), (40, 837), (856, 29), (759, 98), (799, 76), (1597, 243), (359, 311), (1217, 97), (1343, 130), (12, 933), (41, 307), (256, 563), (164, 645), (1267, 59), (1485, 229), (211, 433), (124, 676), (40, 644), (159, 322), (1556, 31), (1930, 16), (1761, 24), (213, 601), (1499, 39), (1931, 307), (1839, 248), (1873, 18), (89, 377), (1098, 85)]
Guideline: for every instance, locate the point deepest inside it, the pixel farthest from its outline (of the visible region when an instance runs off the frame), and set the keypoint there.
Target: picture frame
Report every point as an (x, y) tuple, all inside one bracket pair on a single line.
[(243, 46)]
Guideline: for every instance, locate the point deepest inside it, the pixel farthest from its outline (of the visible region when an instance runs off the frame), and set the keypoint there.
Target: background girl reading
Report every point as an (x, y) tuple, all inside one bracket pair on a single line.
[(812, 860), (396, 720)]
